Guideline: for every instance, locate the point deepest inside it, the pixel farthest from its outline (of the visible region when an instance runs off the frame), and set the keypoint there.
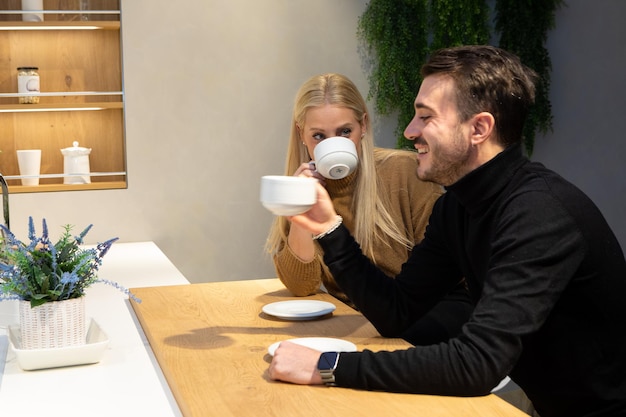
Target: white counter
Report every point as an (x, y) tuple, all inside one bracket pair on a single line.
[(127, 381)]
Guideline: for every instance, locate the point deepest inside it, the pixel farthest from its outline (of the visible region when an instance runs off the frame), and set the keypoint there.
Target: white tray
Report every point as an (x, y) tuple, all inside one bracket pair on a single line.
[(31, 359)]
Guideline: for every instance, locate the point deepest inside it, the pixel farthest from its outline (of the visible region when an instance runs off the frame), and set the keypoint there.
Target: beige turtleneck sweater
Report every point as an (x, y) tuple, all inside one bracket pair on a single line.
[(410, 204)]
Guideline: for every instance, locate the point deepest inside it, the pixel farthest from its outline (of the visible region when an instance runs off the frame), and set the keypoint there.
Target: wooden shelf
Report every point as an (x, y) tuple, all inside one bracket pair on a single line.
[(105, 185), (61, 25), (25, 108)]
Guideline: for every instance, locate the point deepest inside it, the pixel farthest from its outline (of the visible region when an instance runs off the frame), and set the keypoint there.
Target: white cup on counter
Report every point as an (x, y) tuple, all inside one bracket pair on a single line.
[(32, 5), (29, 162)]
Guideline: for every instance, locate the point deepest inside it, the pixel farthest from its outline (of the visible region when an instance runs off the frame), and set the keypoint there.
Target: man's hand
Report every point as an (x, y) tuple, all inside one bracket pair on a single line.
[(296, 364)]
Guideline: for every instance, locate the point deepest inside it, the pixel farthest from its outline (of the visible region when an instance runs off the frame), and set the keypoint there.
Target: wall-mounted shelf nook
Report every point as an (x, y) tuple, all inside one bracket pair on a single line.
[(77, 50)]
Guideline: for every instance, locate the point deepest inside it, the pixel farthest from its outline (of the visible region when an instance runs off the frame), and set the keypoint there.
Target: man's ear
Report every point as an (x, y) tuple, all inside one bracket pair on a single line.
[(483, 127)]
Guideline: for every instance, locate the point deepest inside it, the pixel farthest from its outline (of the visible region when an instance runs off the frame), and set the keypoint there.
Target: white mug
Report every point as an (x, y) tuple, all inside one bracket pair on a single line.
[(29, 162), (288, 196), (336, 157), (32, 5)]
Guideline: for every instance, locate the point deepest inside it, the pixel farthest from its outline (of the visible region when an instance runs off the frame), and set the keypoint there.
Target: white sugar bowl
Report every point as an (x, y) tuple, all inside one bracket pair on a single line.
[(76, 164)]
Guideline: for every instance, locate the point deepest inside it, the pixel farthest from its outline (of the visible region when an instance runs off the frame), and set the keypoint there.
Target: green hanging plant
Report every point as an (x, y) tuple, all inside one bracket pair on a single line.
[(395, 33), (523, 27), (400, 34), (455, 23)]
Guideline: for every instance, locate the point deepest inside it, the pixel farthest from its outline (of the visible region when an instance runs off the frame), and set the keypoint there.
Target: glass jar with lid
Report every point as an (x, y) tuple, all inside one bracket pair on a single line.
[(28, 82)]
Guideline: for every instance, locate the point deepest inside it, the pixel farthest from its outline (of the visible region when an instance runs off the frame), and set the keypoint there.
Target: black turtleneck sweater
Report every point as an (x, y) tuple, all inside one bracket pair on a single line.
[(549, 280)]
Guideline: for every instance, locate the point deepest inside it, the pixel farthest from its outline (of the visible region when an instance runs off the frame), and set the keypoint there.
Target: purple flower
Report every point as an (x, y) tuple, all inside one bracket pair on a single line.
[(43, 271)]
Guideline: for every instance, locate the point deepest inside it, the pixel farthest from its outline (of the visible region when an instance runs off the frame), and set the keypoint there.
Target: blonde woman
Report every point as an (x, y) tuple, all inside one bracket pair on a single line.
[(383, 203)]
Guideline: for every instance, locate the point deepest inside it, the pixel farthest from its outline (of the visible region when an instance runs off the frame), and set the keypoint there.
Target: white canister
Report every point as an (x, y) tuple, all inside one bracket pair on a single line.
[(28, 83), (76, 164)]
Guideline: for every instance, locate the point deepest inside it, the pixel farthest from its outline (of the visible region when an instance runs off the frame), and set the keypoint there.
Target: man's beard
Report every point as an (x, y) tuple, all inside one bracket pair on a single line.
[(447, 164)]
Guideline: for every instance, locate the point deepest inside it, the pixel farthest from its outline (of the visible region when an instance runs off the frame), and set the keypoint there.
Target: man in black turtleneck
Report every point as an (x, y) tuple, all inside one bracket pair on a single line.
[(546, 272)]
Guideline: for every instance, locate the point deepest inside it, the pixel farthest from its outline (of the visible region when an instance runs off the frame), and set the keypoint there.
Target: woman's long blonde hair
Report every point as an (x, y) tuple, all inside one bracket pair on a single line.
[(372, 219)]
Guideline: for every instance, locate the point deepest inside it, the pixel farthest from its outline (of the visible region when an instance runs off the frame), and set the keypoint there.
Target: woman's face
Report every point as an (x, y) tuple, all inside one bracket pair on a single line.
[(327, 121)]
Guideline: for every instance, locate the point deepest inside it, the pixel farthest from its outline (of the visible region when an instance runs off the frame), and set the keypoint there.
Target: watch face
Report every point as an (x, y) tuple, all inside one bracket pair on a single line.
[(328, 360)]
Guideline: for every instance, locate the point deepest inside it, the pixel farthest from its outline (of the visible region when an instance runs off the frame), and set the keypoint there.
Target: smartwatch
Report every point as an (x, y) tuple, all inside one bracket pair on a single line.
[(326, 367)]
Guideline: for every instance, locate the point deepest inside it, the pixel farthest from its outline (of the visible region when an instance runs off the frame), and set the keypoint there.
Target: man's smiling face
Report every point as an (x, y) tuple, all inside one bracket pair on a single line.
[(442, 141)]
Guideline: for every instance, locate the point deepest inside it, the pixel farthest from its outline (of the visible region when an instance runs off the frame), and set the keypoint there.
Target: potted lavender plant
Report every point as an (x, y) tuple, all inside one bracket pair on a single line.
[(49, 280)]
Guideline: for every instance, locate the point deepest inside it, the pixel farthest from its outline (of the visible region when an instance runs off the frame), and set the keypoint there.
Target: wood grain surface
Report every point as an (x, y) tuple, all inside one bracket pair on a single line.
[(211, 342)]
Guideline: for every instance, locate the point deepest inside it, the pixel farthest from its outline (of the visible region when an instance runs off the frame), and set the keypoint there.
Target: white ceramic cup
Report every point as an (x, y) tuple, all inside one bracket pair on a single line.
[(336, 157), (32, 5), (29, 162), (288, 196)]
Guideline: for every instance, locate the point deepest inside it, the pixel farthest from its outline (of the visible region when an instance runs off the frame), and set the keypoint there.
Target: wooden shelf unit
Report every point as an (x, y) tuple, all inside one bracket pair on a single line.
[(80, 69)]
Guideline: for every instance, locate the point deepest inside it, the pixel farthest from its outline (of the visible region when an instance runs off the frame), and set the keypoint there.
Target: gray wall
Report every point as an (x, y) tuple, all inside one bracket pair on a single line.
[(209, 90), (588, 94)]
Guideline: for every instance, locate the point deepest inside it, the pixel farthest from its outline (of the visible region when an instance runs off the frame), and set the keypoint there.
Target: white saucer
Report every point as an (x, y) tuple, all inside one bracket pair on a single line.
[(90, 352), (323, 344), (299, 309)]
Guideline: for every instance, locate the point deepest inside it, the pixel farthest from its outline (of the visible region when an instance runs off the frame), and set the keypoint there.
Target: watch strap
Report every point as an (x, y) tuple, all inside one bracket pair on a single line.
[(326, 367)]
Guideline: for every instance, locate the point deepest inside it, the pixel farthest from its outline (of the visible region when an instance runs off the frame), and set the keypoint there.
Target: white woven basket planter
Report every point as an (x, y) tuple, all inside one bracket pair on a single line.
[(53, 325)]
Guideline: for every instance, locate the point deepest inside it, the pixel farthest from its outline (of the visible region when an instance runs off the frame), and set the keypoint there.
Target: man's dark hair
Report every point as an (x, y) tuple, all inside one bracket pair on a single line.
[(488, 79)]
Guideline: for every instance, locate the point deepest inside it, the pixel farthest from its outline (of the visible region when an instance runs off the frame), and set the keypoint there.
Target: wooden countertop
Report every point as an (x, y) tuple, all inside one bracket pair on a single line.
[(211, 343)]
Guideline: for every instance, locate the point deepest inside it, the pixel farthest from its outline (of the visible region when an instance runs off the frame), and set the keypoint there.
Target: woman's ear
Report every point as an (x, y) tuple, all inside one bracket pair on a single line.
[(299, 132), (483, 127)]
